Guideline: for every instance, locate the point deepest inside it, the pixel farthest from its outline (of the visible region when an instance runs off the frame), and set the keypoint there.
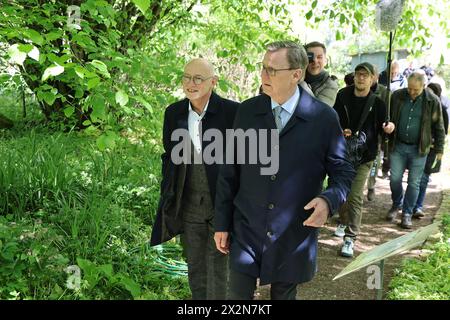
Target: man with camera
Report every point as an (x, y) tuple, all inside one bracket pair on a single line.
[(323, 85), (361, 115)]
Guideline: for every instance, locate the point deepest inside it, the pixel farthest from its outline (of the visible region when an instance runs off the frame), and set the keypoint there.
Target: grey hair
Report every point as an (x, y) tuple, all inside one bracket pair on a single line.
[(296, 54), (418, 75)]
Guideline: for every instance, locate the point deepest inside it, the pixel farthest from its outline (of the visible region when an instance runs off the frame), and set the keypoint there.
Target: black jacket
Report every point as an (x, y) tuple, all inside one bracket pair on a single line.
[(372, 127), (219, 115)]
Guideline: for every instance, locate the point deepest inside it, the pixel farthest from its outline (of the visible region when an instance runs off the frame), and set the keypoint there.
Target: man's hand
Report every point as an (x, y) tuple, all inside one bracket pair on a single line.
[(320, 214), (222, 242), (439, 156), (388, 127)]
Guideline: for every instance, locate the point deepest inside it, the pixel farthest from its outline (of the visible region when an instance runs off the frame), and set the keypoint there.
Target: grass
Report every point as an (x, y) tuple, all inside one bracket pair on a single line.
[(64, 203)]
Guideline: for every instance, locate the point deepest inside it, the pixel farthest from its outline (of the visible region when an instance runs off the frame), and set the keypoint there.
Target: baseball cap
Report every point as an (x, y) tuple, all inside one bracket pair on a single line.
[(366, 66)]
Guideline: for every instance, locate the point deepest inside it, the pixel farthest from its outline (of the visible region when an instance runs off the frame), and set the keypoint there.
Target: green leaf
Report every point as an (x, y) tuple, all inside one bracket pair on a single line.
[(92, 83), (48, 96), (69, 111), (224, 85), (98, 108), (143, 5), (131, 286), (121, 98), (52, 71), (314, 4), (442, 60), (17, 56), (79, 93), (53, 35), (25, 47), (107, 140), (144, 103), (309, 15), (80, 71), (106, 269), (90, 271), (101, 67), (358, 16), (34, 36)]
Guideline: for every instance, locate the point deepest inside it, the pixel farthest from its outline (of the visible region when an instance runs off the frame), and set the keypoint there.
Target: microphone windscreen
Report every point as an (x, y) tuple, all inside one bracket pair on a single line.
[(388, 14)]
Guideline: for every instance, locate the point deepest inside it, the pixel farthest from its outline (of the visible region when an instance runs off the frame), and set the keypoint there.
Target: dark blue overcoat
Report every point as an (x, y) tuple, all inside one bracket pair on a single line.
[(264, 213)]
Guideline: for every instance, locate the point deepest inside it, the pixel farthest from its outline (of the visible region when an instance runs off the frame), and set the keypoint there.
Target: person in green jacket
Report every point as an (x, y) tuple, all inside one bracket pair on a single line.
[(419, 125)]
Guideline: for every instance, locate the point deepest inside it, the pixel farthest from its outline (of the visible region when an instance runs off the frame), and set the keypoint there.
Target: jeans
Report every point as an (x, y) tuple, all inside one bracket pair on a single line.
[(422, 191), (406, 157)]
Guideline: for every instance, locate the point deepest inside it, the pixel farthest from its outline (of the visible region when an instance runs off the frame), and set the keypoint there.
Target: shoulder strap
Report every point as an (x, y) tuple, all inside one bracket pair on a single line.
[(367, 108)]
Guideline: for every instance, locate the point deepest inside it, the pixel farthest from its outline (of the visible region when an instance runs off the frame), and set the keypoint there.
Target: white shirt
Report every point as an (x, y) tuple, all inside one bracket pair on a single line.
[(194, 122)]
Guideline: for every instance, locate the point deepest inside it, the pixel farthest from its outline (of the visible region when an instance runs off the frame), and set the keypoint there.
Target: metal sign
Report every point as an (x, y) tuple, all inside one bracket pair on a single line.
[(390, 248)]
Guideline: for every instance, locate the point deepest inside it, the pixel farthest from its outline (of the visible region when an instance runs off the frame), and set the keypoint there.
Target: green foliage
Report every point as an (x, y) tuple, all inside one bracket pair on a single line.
[(419, 20), (72, 70), (31, 264), (428, 278), (64, 203), (125, 58)]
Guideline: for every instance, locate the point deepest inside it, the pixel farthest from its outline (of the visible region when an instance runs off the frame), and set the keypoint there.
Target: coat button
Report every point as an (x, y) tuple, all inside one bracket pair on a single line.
[(276, 147), (269, 234), (273, 177), (271, 206)]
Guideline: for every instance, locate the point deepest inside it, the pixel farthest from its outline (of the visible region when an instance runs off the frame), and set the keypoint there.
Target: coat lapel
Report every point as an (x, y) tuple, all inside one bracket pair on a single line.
[(265, 110), (182, 115), (304, 111)]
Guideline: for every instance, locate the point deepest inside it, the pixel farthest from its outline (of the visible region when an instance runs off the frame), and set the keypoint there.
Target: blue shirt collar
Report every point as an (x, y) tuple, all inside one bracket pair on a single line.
[(289, 105)]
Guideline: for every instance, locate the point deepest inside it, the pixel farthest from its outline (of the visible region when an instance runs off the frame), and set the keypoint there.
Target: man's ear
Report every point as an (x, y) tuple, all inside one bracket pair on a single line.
[(298, 75), (214, 81)]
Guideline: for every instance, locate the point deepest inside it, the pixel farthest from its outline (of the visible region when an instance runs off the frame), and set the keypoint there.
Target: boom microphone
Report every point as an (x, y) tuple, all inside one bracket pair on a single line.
[(388, 14)]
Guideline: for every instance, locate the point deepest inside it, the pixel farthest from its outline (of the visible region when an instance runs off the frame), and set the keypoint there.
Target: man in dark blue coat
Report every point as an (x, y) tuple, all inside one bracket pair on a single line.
[(188, 185), (269, 223)]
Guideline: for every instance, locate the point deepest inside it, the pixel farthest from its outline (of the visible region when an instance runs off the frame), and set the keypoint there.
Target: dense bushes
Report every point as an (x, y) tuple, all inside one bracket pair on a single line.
[(64, 203)]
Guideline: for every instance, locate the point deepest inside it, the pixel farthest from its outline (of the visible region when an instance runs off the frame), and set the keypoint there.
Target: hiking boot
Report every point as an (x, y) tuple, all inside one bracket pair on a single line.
[(370, 194), (392, 214), (340, 230), (385, 176), (347, 248), (406, 221), (418, 213)]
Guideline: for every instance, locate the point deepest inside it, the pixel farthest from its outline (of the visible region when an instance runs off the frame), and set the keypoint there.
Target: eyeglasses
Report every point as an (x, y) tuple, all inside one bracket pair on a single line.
[(272, 72), (363, 75), (196, 79)]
